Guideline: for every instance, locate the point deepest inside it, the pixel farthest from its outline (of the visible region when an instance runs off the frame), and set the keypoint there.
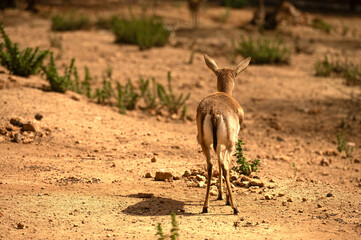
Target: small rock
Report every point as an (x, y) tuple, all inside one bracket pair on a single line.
[(213, 192), (176, 178), (186, 173), (357, 161), (28, 140), (278, 138), (271, 186), (201, 178), (17, 137), (319, 205), (148, 175), (246, 178), (289, 200), (159, 118), (2, 130), (304, 199), (284, 203), (20, 225), (145, 195), (38, 116), (329, 195), (233, 177), (330, 153), (300, 211), (174, 116), (256, 182), (163, 175), (17, 122), (253, 175), (324, 162), (31, 127), (267, 197), (154, 159), (201, 184), (244, 184), (281, 194)]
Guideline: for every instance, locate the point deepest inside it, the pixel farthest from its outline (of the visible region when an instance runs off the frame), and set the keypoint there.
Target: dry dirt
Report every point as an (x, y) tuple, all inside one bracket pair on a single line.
[(79, 176)]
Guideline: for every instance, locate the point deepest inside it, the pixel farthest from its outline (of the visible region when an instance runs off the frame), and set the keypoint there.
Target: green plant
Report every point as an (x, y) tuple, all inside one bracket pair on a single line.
[(169, 100), (320, 24), (334, 65), (58, 83), (173, 232), (81, 87), (235, 3), (342, 145), (145, 32), (21, 63), (345, 29), (149, 94), (70, 21), (106, 93), (264, 51), (243, 166), (127, 97)]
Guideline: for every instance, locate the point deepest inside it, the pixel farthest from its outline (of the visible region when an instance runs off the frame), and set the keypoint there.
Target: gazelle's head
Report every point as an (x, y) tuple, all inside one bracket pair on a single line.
[(226, 76)]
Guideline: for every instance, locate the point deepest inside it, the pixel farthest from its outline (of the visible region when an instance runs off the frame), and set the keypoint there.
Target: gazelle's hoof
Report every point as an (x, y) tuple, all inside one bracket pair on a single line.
[(220, 197), (228, 203), (205, 210), (235, 211)]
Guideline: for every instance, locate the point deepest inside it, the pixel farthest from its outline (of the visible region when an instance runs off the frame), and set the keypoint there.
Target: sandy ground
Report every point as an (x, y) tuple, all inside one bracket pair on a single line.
[(80, 176)]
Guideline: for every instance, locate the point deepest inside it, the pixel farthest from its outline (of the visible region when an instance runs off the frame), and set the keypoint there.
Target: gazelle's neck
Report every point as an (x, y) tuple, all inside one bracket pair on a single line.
[(225, 81)]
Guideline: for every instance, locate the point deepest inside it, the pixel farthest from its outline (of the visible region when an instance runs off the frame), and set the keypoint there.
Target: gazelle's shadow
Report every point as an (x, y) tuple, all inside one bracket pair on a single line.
[(155, 206)]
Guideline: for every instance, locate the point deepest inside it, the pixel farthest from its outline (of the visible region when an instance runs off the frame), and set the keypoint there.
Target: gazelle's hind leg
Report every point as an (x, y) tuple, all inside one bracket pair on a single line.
[(220, 181), (207, 153), (225, 167)]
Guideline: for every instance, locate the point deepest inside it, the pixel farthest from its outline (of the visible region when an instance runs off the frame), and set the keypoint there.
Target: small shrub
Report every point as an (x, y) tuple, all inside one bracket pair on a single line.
[(148, 93), (334, 65), (84, 87), (342, 145), (21, 63), (104, 22), (145, 32), (320, 24), (243, 166), (58, 83), (235, 3), (173, 232), (127, 97), (169, 100), (69, 22), (106, 93), (265, 51)]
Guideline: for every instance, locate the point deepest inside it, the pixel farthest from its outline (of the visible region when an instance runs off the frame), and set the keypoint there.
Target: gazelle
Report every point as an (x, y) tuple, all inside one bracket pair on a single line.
[(219, 118)]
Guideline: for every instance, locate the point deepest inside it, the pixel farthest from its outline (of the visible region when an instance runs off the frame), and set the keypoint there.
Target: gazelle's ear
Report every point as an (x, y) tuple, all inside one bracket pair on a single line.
[(211, 64), (242, 66)]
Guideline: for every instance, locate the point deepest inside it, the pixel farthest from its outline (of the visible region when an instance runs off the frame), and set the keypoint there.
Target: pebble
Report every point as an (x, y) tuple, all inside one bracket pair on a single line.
[(267, 197), (200, 178), (304, 199), (163, 175), (154, 159), (38, 116), (284, 203), (20, 225), (148, 175), (31, 127), (145, 195), (186, 173), (256, 182), (281, 194), (289, 200), (201, 184), (319, 205), (329, 195)]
